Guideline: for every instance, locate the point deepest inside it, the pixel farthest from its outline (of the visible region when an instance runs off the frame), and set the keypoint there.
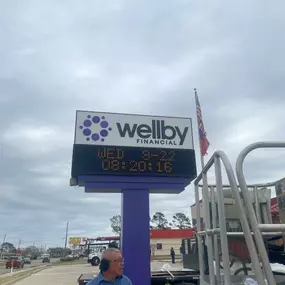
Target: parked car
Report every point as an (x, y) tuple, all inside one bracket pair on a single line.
[(73, 256), (27, 260), (46, 258), (15, 262)]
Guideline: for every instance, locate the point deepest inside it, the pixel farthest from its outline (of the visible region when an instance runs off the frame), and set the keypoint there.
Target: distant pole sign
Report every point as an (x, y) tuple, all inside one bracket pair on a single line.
[(132, 145), (134, 155), (74, 240)]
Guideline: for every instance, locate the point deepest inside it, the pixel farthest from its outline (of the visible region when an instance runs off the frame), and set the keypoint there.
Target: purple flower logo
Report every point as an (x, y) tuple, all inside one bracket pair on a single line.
[(103, 131)]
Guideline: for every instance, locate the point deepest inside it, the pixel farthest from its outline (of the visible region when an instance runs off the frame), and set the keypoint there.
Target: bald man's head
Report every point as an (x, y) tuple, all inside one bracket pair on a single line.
[(111, 253), (116, 262)]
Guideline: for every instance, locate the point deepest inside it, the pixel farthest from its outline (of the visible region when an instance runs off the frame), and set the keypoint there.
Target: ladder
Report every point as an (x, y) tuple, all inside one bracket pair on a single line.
[(249, 219)]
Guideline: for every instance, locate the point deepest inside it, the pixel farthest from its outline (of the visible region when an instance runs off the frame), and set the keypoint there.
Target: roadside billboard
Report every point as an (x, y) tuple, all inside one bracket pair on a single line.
[(77, 241)]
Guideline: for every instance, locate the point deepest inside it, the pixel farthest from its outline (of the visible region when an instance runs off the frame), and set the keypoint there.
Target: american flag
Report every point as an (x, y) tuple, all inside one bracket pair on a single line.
[(204, 143)]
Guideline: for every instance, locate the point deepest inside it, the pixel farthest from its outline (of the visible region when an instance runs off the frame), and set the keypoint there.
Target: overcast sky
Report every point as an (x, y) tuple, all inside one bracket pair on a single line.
[(141, 56)]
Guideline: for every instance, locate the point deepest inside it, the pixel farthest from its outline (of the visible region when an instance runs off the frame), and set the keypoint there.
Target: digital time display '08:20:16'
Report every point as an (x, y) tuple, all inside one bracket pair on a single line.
[(158, 161)]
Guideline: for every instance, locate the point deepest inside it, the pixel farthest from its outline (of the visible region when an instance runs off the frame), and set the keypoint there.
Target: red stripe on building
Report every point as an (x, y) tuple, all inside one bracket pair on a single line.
[(172, 233)]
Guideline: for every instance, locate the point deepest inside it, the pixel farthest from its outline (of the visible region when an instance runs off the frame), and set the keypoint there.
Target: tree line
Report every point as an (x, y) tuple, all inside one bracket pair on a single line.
[(8, 249), (157, 221)]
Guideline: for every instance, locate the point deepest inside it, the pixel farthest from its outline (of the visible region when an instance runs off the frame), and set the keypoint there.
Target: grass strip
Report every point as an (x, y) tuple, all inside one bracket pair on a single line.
[(19, 276), (73, 262)]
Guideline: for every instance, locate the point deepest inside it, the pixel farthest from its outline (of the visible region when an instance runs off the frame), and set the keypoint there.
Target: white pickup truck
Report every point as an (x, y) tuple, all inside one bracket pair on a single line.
[(95, 257)]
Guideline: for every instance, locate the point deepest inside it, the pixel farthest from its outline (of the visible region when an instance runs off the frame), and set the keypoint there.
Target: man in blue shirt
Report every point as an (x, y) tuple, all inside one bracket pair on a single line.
[(111, 269)]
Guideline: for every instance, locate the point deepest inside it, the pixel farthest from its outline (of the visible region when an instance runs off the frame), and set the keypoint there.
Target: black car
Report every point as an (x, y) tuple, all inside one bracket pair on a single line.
[(46, 259)]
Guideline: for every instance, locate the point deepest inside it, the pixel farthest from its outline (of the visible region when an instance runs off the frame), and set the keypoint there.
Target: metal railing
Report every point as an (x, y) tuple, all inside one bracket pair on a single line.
[(257, 228), (211, 230)]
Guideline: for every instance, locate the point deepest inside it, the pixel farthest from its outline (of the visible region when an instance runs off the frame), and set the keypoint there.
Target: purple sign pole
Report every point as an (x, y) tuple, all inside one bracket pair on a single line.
[(135, 238)]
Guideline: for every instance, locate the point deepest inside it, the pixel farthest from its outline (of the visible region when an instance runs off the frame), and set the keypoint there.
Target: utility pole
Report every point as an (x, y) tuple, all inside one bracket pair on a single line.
[(19, 244), (66, 234), (4, 239)]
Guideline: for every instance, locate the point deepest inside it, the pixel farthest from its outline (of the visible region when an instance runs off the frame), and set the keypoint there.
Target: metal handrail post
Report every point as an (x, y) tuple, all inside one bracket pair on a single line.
[(222, 222), (251, 213), (216, 244), (205, 198), (257, 206), (199, 237), (209, 240), (269, 211), (243, 219)]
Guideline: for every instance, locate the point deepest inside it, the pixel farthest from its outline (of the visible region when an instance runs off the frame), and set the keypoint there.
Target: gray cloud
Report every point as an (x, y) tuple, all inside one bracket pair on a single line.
[(128, 56)]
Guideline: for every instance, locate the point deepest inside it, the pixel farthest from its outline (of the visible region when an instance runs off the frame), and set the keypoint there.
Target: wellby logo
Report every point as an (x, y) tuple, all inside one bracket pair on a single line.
[(99, 124), (158, 132), (155, 133)]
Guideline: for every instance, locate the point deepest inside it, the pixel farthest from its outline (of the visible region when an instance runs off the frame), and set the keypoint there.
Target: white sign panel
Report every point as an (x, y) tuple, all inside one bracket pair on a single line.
[(96, 128)]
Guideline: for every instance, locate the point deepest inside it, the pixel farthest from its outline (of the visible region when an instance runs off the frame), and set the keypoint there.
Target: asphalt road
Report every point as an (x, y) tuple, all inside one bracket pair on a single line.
[(37, 262)]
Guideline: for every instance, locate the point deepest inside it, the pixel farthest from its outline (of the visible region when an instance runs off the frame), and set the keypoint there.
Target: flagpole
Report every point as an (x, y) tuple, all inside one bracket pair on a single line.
[(205, 191), (201, 154)]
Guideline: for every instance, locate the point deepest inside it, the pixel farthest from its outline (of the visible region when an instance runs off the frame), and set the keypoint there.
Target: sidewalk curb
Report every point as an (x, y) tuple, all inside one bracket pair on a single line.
[(31, 272)]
